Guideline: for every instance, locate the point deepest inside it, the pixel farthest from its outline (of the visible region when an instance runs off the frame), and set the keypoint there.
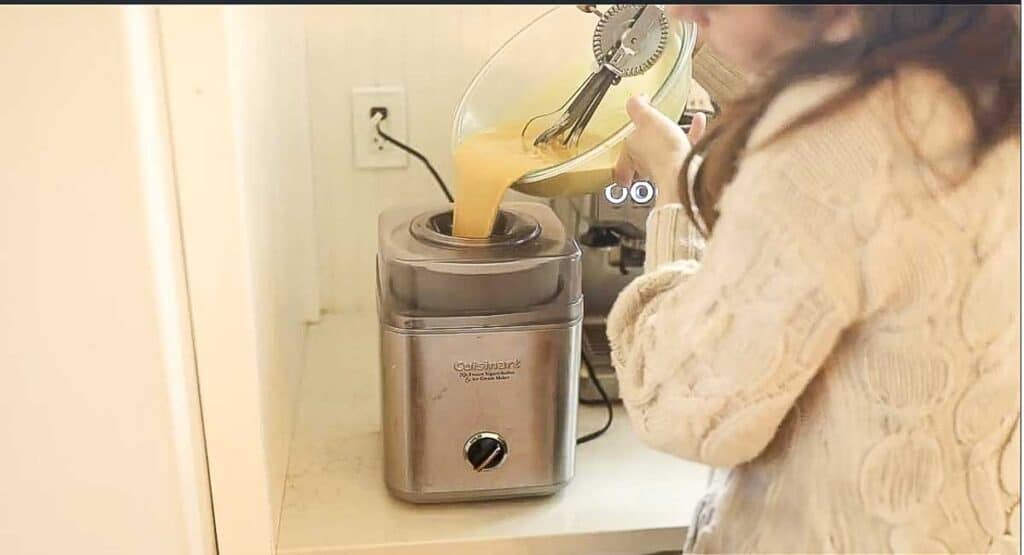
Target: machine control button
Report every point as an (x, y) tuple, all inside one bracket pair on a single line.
[(486, 451), (642, 192), (615, 194)]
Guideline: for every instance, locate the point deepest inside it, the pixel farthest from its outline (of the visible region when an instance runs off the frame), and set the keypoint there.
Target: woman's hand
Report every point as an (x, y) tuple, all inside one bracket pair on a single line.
[(656, 149)]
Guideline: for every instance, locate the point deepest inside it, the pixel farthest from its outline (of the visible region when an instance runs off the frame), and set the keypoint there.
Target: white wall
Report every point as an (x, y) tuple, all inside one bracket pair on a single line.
[(238, 107), (267, 71), (99, 418), (432, 51)]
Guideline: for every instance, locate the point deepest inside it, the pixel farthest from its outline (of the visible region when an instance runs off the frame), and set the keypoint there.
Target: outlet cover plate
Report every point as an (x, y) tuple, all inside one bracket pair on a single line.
[(369, 150)]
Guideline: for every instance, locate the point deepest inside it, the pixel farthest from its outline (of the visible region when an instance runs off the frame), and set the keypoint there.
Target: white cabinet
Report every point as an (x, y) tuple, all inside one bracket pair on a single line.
[(158, 271), (236, 95), (102, 444)]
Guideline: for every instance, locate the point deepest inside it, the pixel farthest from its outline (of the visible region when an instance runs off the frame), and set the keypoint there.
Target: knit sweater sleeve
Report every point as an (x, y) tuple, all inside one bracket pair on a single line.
[(671, 236), (711, 357)]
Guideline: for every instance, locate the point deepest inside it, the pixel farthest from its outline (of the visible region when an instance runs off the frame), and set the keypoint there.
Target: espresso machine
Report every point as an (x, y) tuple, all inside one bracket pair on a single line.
[(610, 226)]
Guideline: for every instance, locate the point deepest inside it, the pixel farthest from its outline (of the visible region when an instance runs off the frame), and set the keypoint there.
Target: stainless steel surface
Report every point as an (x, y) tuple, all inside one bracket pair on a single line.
[(480, 347), (614, 216), (603, 279), (595, 346), (617, 204), (440, 390), (627, 41), (631, 37)]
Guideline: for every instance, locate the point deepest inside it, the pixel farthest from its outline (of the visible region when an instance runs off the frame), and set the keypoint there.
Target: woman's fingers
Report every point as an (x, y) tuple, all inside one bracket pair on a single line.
[(624, 169), (646, 116), (639, 110), (697, 127), (655, 147)]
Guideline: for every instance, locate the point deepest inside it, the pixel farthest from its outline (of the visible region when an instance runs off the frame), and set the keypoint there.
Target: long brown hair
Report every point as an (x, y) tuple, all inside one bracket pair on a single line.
[(976, 47)]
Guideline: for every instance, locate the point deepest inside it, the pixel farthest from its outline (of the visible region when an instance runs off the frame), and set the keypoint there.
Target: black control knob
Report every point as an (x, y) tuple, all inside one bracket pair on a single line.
[(486, 451)]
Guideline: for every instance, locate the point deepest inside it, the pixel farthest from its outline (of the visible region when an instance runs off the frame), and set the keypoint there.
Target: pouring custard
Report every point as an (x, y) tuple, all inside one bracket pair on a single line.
[(486, 165), (627, 43)]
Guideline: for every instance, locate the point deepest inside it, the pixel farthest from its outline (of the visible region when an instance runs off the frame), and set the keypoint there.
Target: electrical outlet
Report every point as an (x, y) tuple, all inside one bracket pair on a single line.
[(370, 150)]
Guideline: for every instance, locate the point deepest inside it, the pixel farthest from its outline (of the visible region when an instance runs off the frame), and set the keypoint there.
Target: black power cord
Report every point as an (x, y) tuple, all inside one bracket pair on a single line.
[(604, 399), (380, 114)]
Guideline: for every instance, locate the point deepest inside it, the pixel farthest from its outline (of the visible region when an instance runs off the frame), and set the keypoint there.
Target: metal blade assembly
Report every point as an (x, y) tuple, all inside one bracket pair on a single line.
[(628, 40)]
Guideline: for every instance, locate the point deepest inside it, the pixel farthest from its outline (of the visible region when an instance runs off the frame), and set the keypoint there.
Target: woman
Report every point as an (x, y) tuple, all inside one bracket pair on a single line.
[(848, 345)]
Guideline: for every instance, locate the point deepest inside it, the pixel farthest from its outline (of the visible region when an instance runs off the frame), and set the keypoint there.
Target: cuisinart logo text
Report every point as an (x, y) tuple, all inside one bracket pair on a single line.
[(486, 370), (463, 366)]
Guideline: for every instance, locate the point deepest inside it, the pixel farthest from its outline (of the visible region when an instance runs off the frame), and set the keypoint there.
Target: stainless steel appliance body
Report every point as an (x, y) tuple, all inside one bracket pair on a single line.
[(480, 345)]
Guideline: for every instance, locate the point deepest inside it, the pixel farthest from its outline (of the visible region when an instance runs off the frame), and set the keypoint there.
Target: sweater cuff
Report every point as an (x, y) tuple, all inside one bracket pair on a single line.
[(671, 237)]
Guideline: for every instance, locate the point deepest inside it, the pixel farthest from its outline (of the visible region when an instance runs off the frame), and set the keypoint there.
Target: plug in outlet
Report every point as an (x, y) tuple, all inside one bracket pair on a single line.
[(370, 151)]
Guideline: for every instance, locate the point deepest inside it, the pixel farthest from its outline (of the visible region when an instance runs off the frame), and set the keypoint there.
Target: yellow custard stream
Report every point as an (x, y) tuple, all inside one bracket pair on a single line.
[(488, 163)]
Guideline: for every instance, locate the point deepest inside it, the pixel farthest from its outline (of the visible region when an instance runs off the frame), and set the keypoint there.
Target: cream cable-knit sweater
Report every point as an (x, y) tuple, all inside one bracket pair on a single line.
[(848, 346)]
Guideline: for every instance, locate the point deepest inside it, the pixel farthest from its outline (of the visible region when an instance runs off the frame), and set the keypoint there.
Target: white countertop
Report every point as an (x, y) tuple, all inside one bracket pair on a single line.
[(625, 497)]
